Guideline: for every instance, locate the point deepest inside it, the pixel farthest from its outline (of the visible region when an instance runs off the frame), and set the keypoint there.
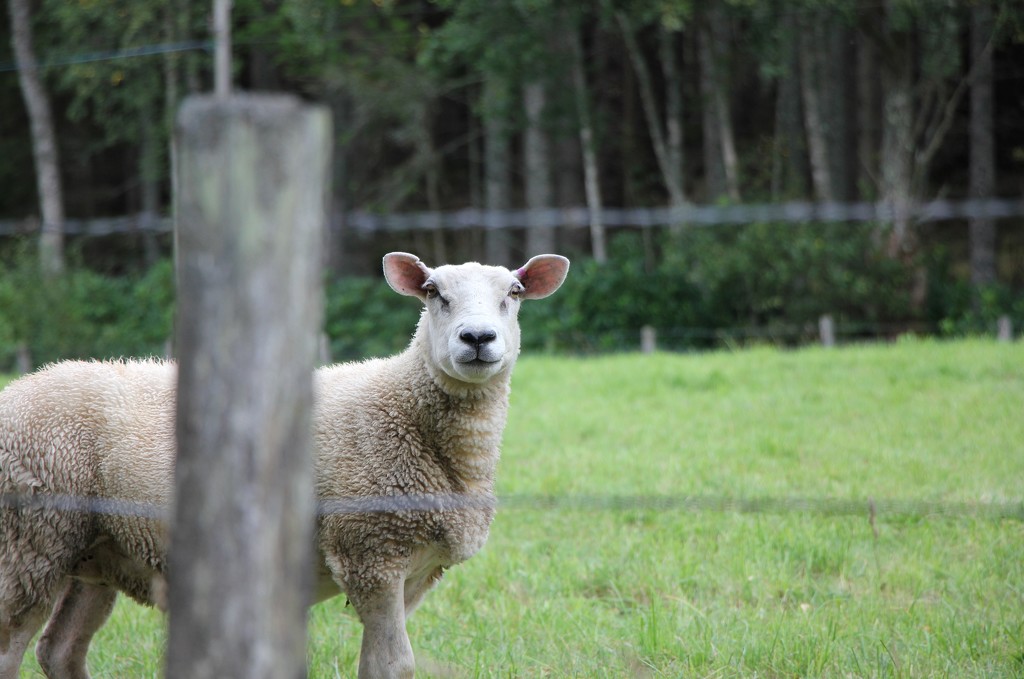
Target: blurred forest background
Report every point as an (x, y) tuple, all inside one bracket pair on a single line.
[(524, 109)]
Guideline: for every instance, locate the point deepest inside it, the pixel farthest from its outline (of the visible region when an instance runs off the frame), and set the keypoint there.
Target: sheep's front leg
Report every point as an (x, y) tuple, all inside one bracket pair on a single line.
[(386, 651), (80, 611)]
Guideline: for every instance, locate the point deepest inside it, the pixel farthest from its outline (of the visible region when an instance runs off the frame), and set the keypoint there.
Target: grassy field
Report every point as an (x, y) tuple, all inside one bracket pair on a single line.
[(588, 590)]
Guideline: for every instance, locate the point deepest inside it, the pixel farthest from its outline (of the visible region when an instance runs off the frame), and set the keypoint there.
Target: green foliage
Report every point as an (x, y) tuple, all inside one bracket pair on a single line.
[(957, 308), (767, 275), (961, 310), (364, 317), (83, 314), (122, 99), (761, 279), (709, 286), (401, 74), (602, 307), (503, 38)]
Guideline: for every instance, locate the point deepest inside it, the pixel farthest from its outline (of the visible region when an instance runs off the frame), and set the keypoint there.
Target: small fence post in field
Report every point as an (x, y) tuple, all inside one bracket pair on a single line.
[(827, 330), (648, 339), (22, 359), (1004, 329), (251, 176)]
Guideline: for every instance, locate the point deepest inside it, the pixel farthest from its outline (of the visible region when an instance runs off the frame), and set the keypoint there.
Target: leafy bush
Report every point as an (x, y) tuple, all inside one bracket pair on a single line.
[(960, 310), (708, 285), (757, 279), (602, 307), (765, 275), (83, 313), (364, 317)]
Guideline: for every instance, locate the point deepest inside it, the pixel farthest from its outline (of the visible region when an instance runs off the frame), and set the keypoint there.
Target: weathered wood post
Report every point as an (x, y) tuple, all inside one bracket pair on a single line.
[(648, 339), (827, 330), (251, 175), (1004, 329)]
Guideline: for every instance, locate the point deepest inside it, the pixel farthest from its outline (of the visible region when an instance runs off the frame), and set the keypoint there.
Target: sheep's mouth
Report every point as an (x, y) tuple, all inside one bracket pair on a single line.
[(474, 369), (478, 362), (476, 357)]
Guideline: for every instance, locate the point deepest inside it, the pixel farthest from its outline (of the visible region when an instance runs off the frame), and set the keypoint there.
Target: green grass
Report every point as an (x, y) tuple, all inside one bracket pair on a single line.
[(593, 592)]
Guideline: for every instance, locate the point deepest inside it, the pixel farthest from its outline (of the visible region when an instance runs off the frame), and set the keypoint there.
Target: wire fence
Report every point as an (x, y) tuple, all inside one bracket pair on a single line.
[(796, 212), (870, 508), (123, 53)]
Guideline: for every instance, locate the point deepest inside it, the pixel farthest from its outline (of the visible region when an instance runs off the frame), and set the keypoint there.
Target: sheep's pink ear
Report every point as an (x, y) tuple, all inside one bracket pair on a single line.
[(542, 275), (406, 274)]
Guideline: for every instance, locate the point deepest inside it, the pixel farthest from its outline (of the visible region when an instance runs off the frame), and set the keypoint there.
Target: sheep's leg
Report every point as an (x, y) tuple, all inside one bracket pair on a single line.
[(14, 640), (386, 651), (416, 588), (80, 611)]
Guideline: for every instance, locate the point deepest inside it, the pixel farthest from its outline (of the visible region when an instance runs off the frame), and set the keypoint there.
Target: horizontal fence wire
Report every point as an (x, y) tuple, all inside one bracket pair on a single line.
[(795, 212), (822, 506), (123, 53)]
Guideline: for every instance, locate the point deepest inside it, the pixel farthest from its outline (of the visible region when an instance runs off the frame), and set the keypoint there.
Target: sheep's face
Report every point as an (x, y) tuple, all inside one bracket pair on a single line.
[(471, 311)]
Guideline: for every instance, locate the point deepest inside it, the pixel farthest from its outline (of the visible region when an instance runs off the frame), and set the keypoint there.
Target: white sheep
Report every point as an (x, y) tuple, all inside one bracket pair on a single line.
[(411, 440)]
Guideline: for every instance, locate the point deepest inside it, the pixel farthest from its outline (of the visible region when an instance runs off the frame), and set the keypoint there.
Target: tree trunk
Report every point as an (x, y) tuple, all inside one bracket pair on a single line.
[(897, 155), (44, 140), (789, 163), (540, 236), (591, 179), (720, 158), (812, 63), (497, 168), (897, 158), (982, 152), (868, 104), (673, 115), (720, 47), (670, 171), (839, 87)]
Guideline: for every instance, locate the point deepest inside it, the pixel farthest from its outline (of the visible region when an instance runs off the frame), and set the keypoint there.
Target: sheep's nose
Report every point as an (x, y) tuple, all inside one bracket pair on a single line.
[(477, 337)]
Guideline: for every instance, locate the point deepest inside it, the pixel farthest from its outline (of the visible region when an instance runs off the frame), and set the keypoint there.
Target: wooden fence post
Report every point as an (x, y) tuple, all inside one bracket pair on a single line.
[(22, 359), (1004, 329), (251, 176), (648, 339), (827, 330)]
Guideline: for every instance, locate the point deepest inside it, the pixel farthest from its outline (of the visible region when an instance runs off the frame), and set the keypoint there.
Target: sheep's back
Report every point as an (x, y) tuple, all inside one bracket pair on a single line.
[(111, 422), (87, 432)]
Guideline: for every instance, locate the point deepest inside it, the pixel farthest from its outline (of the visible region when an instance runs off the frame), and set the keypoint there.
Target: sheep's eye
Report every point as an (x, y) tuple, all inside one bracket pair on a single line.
[(517, 291), (431, 290)]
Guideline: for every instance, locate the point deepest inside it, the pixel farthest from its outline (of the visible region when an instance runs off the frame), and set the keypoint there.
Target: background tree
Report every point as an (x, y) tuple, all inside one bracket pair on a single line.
[(665, 131), (588, 142), (982, 180), (721, 163), (789, 149), (129, 103), (44, 140), (510, 104)]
